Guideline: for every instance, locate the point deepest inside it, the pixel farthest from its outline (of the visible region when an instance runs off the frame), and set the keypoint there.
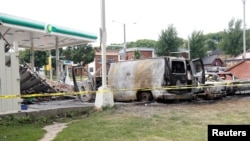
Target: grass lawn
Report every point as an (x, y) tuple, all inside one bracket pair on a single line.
[(27, 132), (155, 122), (176, 122)]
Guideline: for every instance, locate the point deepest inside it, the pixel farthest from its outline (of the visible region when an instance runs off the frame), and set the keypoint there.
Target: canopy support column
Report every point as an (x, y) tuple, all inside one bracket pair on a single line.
[(32, 58), (57, 61)]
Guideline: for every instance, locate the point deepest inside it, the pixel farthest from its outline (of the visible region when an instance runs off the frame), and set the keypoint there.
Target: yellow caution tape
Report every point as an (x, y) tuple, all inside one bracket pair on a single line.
[(218, 84)]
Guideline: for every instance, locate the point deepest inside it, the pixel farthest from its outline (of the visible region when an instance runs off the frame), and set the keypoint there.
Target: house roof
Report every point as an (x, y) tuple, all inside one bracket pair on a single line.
[(241, 56), (210, 59), (40, 35), (235, 66), (108, 52), (241, 69), (136, 48), (215, 52)]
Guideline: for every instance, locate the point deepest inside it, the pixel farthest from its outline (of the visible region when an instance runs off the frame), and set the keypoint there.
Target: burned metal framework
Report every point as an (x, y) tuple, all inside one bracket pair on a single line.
[(17, 32)]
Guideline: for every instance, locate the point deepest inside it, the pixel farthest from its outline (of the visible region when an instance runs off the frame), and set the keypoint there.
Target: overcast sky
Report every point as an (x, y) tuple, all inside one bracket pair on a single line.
[(150, 16)]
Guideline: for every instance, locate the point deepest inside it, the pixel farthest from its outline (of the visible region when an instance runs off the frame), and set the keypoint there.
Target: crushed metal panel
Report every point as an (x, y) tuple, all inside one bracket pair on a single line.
[(31, 82)]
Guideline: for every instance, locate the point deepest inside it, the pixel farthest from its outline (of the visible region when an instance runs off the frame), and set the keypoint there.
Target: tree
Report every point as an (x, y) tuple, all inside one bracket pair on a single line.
[(115, 47), (67, 53), (137, 54), (83, 54), (232, 41), (40, 58), (168, 42), (142, 43), (197, 45), (24, 56), (212, 40)]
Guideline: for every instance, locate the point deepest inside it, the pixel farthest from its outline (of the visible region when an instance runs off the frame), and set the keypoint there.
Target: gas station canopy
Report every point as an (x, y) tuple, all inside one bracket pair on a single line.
[(38, 35)]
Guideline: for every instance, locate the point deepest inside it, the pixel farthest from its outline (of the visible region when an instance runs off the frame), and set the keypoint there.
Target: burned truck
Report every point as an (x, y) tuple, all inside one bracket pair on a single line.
[(166, 78)]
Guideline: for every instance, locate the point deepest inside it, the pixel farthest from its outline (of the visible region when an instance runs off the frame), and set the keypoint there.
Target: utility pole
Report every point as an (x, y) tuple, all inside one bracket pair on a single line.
[(125, 42), (244, 31), (124, 39), (104, 95)]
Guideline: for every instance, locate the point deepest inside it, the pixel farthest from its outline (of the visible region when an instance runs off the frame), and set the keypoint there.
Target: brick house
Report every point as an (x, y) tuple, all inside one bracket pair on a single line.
[(96, 65), (236, 60), (144, 53), (115, 56), (212, 63), (241, 69)]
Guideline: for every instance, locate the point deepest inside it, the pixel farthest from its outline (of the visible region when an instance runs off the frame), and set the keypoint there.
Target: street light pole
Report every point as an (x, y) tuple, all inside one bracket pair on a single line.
[(244, 31), (124, 38), (124, 42)]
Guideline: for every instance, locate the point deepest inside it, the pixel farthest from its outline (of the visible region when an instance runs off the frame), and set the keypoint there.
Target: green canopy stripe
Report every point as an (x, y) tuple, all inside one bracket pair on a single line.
[(21, 22), (72, 32), (25, 23)]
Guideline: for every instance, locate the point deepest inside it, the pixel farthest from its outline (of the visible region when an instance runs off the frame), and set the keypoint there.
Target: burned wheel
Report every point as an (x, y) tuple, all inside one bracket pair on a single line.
[(145, 96), (88, 94)]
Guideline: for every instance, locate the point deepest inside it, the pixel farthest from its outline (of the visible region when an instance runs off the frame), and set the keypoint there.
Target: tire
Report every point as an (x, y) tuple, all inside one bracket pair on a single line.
[(145, 96)]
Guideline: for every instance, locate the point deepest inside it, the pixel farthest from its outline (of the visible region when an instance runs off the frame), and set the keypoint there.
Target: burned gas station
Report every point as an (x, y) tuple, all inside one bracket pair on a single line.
[(20, 79)]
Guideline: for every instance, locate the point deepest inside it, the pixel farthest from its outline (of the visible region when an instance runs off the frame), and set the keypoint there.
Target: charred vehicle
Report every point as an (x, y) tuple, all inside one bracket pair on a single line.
[(167, 78), (235, 85), (215, 86), (221, 84), (88, 85)]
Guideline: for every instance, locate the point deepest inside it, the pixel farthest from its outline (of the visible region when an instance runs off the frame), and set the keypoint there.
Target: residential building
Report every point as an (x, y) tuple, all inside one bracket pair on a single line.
[(212, 63), (144, 53), (234, 61), (95, 66), (241, 69), (115, 56)]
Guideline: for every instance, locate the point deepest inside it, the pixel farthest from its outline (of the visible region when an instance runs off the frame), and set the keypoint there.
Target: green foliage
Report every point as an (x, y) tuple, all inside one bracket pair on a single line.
[(232, 41), (115, 47), (82, 54), (12, 120), (29, 127), (247, 39), (142, 43), (197, 45), (137, 54), (212, 40), (40, 58), (24, 56), (151, 123), (27, 132), (168, 42), (67, 53)]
